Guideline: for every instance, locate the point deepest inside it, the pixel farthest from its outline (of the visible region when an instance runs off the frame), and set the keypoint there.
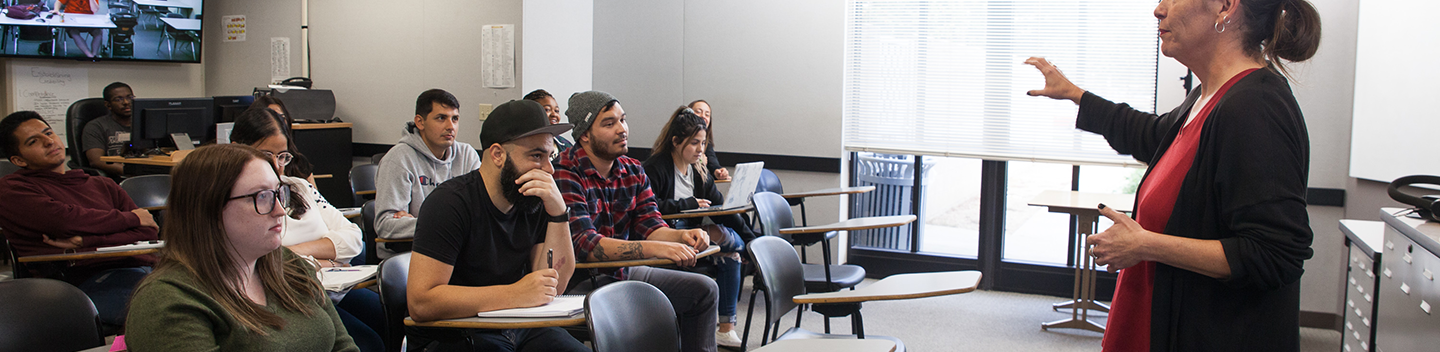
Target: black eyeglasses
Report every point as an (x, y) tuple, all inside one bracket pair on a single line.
[(283, 158), (119, 98), (265, 200)]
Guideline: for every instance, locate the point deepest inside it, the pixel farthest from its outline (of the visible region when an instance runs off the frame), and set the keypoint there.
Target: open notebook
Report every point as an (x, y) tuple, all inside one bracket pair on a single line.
[(562, 306), (337, 279)]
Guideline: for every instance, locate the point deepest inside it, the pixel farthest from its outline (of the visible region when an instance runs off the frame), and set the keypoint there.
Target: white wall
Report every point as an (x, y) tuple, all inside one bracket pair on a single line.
[(560, 41), (237, 68)]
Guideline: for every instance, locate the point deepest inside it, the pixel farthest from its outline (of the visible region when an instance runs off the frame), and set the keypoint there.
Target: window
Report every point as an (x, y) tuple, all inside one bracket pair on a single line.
[(946, 77)]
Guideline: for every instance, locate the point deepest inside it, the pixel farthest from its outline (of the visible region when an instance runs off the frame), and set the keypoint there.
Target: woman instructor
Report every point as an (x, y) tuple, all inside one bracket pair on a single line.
[(1212, 260)]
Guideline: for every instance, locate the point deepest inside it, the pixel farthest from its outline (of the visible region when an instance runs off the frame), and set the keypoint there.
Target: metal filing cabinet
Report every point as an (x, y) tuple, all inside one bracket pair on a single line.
[(1362, 276), (1406, 316)]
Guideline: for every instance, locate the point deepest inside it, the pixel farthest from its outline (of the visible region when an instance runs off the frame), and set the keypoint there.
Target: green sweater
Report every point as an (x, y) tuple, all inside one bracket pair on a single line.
[(172, 313)]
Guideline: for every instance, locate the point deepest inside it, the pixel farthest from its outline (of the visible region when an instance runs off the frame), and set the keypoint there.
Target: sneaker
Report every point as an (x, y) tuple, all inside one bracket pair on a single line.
[(727, 339)]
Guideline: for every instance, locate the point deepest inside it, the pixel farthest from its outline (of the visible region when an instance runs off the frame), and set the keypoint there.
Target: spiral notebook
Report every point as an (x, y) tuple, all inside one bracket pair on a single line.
[(562, 306)]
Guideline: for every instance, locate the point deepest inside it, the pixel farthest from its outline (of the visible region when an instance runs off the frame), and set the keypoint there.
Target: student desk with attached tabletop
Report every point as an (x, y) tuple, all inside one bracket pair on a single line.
[(85, 255), (501, 323), (835, 345), (1084, 208), (804, 219), (697, 214)]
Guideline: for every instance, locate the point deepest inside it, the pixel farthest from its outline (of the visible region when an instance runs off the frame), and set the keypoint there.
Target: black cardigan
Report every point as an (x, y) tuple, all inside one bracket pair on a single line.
[(660, 169), (1245, 188)]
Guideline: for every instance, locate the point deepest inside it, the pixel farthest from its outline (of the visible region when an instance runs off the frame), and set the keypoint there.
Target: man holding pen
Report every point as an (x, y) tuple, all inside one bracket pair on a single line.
[(495, 238)]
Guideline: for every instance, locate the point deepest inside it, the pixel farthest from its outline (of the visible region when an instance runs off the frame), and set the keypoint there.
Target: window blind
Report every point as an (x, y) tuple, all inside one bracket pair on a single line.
[(946, 77)]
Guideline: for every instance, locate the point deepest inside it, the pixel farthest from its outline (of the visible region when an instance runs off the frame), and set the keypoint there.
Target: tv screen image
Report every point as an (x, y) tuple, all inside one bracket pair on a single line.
[(136, 30)]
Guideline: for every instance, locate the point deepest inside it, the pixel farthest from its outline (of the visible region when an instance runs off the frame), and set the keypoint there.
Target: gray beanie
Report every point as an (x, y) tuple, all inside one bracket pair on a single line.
[(583, 107)]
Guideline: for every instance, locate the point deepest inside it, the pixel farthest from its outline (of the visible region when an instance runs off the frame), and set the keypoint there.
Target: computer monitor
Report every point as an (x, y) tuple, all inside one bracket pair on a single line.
[(155, 119), (228, 107)]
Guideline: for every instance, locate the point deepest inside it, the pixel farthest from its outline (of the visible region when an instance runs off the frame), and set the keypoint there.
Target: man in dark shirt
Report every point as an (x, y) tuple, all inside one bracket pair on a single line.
[(495, 238), (107, 135)]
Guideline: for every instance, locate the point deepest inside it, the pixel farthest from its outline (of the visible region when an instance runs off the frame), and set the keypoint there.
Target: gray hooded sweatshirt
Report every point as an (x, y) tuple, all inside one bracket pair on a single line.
[(407, 174)]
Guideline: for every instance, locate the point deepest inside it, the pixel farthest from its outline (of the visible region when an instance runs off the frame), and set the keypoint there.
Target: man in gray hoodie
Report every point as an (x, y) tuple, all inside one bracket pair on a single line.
[(426, 156)]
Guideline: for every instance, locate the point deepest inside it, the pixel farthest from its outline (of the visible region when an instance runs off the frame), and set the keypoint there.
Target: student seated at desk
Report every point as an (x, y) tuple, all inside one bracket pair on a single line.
[(495, 238), (676, 170), (42, 203), (108, 135), (712, 162), (426, 155), (613, 216), (552, 111), (314, 229), (224, 282), (91, 48), (299, 164)]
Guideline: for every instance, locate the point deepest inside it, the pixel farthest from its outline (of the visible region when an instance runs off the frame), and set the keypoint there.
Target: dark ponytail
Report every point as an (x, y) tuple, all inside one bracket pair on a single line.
[(1282, 29)]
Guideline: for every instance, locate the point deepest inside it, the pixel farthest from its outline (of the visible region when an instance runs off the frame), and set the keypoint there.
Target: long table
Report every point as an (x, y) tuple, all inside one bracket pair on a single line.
[(56, 24)]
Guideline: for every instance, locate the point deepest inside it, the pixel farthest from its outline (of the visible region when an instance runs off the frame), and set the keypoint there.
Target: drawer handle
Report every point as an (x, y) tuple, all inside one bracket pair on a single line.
[(1357, 335), (1387, 272), (1350, 303), (1428, 275), (1347, 347), (1364, 346), (1404, 288), (1358, 313), (1360, 289), (1367, 298), (1370, 274), (1366, 321), (1425, 306), (1349, 326), (1407, 258), (1362, 265), (1389, 245), (1352, 281)]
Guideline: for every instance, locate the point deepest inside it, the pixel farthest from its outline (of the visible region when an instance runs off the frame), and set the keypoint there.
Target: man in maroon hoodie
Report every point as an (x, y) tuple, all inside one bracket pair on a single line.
[(47, 209)]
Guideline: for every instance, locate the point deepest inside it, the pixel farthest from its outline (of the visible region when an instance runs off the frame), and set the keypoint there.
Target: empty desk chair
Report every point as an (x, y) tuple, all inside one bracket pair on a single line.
[(42, 315), (774, 214), (362, 182), (394, 272), (631, 316)]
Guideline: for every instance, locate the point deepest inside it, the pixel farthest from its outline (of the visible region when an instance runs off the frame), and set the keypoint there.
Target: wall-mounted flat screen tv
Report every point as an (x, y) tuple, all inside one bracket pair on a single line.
[(95, 30)]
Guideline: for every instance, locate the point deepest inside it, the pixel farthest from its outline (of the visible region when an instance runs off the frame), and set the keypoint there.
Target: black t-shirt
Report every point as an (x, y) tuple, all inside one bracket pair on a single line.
[(461, 227)]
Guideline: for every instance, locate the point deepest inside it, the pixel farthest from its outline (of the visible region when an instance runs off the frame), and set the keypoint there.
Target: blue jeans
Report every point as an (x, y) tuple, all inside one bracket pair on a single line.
[(727, 267), (364, 319), (110, 291)]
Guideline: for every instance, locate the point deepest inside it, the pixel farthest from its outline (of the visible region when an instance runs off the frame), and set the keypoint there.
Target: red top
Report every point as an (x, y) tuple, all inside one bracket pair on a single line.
[(1128, 328), (77, 6)]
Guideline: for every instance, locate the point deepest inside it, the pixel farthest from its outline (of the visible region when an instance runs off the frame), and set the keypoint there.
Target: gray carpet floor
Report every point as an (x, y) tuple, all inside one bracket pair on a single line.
[(978, 321)]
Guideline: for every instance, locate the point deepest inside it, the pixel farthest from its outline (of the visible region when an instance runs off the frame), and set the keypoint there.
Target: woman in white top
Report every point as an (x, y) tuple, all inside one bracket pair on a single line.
[(314, 229)]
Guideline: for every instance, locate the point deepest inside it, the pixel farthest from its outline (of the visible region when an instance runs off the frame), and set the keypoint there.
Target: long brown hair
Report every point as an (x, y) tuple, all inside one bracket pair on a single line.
[(1281, 29), (709, 134), (195, 241), (683, 124)]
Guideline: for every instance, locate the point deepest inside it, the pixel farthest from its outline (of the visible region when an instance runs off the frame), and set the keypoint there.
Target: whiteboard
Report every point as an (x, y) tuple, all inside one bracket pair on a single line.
[(1395, 127)]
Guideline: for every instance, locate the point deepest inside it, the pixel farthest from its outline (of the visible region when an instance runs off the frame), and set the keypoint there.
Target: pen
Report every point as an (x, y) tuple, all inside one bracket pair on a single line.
[(550, 258), (335, 269)]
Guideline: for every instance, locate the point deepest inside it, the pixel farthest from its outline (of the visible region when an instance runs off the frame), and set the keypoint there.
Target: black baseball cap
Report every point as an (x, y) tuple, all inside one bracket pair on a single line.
[(517, 119)]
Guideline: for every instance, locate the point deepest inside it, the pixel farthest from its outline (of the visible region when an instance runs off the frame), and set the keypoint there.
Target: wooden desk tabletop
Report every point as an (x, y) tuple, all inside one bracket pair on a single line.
[(364, 284), (365, 192), (153, 161), (684, 215), (387, 240), (902, 286), (85, 255), (1083, 202), (501, 323), (320, 126), (641, 262), (723, 181), (830, 192), (830, 345), (855, 224)]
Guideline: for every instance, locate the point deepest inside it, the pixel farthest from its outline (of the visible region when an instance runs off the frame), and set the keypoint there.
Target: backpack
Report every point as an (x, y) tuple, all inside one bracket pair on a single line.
[(24, 12)]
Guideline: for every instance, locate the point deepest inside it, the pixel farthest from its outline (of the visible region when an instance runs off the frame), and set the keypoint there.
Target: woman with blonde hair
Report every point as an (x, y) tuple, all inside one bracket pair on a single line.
[(223, 281)]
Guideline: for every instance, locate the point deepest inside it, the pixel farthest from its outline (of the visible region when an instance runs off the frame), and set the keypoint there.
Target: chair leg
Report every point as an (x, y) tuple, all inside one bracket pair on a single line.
[(827, 324), (749, 318), (859, 325)]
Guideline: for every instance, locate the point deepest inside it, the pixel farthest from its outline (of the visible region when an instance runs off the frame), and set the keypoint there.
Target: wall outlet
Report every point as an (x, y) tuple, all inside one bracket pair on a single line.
[(485, 111)]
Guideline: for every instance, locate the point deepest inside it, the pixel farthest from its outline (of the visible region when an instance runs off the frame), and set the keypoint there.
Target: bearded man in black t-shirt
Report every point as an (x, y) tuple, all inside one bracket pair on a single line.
[(495, 238)]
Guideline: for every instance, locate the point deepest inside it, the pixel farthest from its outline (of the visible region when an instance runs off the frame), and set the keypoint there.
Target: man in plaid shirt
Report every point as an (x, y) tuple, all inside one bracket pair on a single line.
[(613, 216)]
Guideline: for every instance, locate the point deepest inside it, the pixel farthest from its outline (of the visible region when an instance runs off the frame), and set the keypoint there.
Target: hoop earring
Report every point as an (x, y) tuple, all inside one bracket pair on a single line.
[(1220, 28)]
